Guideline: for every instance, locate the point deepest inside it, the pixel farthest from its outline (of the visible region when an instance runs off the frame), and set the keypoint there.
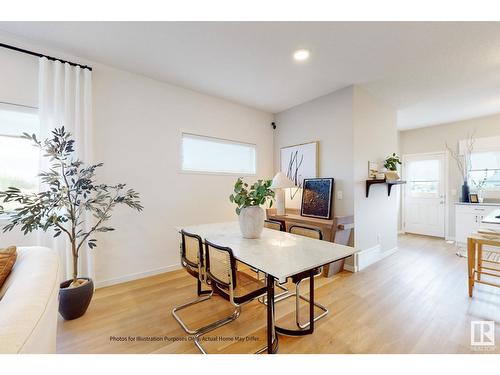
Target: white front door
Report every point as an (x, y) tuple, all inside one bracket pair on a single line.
[(424, 194)]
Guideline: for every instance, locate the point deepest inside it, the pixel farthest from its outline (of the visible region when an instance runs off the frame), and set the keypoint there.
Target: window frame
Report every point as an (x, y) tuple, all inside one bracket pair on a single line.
[(482, 144), (182, 133), (469, 170), (410, 182)]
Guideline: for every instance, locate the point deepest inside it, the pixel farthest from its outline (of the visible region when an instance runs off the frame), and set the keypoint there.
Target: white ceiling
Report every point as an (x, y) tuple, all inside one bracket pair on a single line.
[(430, 72)]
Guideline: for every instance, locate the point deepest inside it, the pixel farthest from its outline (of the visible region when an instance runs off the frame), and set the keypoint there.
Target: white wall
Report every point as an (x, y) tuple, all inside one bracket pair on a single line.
[(327, 119), (137, 126), (375, 137), (433, 138), (353, 128)]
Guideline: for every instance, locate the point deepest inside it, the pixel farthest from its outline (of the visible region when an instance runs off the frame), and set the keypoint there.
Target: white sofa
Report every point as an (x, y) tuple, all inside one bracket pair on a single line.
[(29, 303)]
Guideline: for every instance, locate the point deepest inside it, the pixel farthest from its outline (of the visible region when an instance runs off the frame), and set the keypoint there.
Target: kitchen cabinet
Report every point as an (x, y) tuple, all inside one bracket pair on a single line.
[(468, 218)]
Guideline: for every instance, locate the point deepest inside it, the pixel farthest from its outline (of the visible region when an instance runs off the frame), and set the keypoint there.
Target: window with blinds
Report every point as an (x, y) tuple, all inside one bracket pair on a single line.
[(19, 160), (485, 170), (423, 178), (219, 156)]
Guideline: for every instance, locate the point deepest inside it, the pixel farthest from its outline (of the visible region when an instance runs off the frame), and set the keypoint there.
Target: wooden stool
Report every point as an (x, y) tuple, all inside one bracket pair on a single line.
[(476, 258)]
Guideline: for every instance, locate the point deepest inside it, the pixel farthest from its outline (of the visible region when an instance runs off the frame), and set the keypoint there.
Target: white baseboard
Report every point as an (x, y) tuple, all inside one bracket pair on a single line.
[(348, 267), (372, 255), (362, 260), (135, 276), (389, 252), (449, 238)]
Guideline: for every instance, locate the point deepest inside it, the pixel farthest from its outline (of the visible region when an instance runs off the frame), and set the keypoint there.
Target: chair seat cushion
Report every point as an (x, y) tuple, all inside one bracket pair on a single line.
[(247, 288)]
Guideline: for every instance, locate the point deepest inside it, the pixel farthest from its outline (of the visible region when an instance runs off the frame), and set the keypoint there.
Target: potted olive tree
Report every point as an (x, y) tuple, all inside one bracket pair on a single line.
[(248, 201), (68, 193)]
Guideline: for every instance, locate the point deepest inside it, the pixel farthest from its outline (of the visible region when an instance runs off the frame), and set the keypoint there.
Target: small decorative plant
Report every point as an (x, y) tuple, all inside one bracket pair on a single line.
[(69, 192), (391, 162), (258, 194)]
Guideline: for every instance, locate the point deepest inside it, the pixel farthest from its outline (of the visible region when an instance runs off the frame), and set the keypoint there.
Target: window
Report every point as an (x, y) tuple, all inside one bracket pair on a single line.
[(485, 170), (214, 155), (423, 178), (19, 160)]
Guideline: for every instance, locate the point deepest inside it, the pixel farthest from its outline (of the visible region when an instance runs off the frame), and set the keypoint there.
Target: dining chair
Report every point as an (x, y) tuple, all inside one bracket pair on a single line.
[(235, 286), (273, 224), (297, 279), (191, 250)]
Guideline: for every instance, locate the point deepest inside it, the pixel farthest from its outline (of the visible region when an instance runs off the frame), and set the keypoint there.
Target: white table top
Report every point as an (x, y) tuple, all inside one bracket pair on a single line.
[(492, 218), (279, 254)]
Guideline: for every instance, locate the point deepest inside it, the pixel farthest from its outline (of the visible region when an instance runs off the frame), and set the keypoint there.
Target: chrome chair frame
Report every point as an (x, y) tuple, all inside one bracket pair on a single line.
[(203, 295), (216, 282), (297, 283)]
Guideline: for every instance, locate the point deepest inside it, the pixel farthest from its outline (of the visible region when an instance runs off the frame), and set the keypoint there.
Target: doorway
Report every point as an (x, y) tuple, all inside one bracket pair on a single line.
[(424, 197)]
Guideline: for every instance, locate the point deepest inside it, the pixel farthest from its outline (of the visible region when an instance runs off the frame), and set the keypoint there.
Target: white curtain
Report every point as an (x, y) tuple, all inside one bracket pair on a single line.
[(65, 99)]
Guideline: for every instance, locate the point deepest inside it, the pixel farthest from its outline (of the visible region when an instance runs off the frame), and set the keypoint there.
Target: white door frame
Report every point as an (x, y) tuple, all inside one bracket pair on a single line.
[(445, 154)]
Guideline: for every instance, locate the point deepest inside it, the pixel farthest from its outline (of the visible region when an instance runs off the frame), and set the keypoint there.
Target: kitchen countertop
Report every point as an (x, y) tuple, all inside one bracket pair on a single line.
[(477, 204)]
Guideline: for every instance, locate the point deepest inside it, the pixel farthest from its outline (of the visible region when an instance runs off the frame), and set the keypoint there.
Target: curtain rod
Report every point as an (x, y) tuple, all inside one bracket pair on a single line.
[(42, 55)]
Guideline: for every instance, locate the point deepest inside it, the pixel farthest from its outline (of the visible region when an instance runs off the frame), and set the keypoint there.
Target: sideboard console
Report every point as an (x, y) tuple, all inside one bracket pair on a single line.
[(339, 229)]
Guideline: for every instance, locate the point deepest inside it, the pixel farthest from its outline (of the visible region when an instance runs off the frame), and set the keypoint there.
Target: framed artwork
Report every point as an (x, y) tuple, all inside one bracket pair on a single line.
[(298, 162), (473, 198), (317, 198)]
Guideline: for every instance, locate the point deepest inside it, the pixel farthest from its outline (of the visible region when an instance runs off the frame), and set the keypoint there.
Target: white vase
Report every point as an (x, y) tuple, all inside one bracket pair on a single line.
[(251, 221)]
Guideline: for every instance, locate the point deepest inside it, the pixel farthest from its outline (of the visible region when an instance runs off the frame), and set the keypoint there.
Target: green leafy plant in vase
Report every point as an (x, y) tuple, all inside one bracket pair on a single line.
[(248, 200), (391, 164), (68, 193)]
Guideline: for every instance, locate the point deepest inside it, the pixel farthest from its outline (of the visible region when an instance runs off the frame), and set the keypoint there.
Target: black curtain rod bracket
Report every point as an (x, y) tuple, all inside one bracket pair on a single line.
[(42, 55)]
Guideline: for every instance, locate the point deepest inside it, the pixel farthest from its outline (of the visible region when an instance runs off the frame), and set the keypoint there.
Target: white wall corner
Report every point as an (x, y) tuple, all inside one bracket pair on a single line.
[(350, 268)]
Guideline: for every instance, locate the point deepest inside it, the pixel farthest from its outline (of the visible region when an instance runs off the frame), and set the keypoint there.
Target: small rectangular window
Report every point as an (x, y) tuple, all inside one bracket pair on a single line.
[(215, 155), (423, 178)]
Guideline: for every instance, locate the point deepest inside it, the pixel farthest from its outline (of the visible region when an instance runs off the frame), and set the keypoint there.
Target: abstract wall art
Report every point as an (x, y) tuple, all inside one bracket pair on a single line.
[(317, 198), (299, 162)]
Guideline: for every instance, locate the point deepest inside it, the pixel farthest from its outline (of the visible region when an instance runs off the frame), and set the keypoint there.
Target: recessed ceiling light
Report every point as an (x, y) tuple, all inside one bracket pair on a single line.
[(301, 54)]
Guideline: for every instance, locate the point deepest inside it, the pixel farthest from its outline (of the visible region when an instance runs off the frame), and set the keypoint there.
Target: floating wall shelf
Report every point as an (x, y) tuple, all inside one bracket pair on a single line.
[(389, 184)]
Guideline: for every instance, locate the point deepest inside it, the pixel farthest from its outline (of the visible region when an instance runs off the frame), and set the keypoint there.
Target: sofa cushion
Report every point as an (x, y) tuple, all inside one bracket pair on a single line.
[(8, 257), (28, 307)]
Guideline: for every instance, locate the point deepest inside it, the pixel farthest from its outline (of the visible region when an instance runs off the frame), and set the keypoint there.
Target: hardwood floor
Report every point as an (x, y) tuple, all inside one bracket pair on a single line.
[(414, 301)]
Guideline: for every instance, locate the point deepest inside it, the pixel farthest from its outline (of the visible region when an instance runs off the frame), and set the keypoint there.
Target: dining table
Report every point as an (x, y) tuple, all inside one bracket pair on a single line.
[(277, 255)]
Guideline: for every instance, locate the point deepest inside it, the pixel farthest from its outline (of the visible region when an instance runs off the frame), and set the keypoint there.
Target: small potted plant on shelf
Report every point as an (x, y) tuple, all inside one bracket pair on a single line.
[(68, 193), (248, 201), (391, 164)]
